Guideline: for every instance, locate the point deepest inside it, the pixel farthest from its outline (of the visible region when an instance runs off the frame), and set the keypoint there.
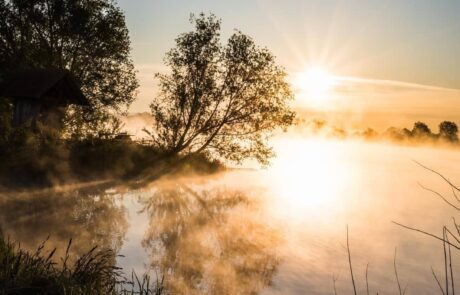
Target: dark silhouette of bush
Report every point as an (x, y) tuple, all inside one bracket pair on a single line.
[(109, 158), (449, 131), (369, 134), (420, 129), (420, 133), (397, 134), (41, 272), (39, 158), (33, 157)]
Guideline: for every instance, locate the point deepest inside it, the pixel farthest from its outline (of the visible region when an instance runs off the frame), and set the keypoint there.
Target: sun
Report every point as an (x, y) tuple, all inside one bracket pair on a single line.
[(314, 84)]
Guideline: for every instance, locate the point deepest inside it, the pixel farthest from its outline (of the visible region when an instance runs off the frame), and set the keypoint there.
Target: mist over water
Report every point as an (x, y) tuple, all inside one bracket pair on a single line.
[(280, 230)]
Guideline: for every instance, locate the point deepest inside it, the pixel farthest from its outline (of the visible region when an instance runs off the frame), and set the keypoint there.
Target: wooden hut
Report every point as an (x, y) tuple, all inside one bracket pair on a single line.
[(42, 95)]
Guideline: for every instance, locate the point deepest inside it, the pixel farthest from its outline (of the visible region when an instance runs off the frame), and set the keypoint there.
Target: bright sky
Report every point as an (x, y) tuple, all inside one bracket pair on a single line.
[(413, 41)]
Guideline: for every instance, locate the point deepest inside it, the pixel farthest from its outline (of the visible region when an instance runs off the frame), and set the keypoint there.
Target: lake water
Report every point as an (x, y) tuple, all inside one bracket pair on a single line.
[(280, 230)]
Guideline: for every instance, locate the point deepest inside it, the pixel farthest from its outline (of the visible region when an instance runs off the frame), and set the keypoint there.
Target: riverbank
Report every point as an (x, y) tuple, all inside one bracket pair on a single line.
[(40, 272), (45, 163)]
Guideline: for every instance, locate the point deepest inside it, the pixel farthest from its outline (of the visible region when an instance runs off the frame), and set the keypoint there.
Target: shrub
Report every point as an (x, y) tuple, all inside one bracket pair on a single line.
[(95, 272)]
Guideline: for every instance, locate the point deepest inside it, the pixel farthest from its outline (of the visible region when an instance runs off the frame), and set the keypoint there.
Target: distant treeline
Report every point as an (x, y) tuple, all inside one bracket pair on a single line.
[(447, 132), (420, 133)]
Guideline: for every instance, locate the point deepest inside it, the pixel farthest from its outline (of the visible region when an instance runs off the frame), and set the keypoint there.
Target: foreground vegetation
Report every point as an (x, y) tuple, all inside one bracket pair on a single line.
[(22, 272)]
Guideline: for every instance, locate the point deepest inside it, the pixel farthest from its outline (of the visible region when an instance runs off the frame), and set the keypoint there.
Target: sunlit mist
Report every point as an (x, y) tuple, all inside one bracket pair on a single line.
[(230, 147), (305, 181), (314, 85)]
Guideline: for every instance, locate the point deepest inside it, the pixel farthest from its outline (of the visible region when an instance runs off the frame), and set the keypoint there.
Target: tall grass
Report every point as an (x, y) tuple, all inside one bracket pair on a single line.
[(95, 272)]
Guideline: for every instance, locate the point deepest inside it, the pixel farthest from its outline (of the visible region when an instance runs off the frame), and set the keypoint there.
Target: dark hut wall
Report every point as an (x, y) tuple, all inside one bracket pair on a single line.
[(34, 110), (41, 95), (25, 109)]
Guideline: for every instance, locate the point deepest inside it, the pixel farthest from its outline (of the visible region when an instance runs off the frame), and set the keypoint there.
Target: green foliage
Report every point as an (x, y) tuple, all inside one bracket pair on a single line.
[(225, 100), (87, 37)]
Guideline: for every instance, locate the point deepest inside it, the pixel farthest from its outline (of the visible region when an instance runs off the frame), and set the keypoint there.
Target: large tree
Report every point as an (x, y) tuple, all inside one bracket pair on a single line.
[(87, 37), (222, 99)]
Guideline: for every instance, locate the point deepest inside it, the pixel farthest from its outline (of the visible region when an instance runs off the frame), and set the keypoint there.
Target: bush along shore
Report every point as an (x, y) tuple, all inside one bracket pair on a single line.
[(39, 158)]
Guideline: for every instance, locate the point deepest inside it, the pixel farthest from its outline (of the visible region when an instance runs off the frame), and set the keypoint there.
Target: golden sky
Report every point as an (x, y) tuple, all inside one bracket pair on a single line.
[(392, 61)]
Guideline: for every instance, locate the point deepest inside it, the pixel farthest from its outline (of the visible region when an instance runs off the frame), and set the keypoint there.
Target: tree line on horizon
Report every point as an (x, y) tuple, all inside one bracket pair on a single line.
[(420, 132), (447, 132)]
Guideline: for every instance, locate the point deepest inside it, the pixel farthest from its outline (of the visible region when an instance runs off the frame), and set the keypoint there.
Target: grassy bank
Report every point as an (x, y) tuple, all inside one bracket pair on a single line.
[(40, 272), (43, 160)]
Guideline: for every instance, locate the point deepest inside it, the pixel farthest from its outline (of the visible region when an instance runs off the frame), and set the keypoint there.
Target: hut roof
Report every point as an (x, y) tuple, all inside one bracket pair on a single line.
[(57, 85)]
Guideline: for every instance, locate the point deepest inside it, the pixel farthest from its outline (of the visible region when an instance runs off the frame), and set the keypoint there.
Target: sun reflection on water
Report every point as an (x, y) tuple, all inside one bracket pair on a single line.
[(309, 177), (277, 231)]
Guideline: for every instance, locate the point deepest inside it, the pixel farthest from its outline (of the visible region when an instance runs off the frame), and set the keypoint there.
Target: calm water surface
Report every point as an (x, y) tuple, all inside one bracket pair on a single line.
[(281, 230)]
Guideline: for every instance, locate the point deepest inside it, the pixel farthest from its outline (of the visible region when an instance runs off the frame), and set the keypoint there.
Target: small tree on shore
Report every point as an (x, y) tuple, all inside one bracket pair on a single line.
[(225, 100)]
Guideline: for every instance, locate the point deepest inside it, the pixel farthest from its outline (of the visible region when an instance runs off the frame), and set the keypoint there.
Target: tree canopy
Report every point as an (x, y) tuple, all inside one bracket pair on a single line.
[(225, 100), (87, 37), (448, 130), (421, 129)]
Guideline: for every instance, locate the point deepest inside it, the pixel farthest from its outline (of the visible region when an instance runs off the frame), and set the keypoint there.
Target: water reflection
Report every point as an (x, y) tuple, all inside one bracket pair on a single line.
[(90, 217), (209, 241), (281, 232)]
